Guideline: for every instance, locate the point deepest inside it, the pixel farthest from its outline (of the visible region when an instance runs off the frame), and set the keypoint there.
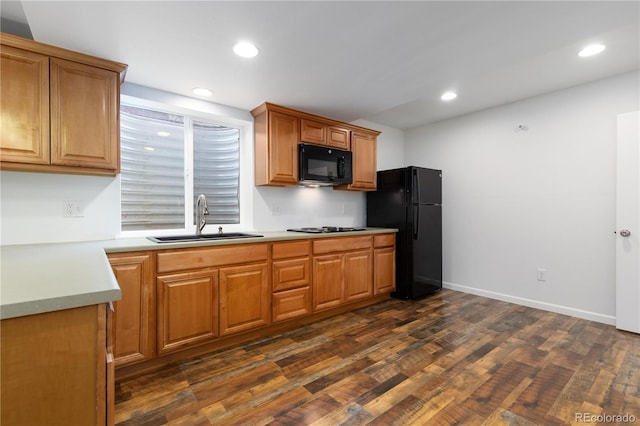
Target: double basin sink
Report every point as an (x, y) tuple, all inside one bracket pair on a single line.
[(202, 237)]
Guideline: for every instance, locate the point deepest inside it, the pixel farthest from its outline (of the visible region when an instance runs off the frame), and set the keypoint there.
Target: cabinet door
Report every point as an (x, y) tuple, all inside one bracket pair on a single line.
[(384, 269), (338, 138), (244, 298), (328, 281), (363, 147), (84, 116), (24, 106), (284, 135), (187, 309), (358, 275), (313, 132), (134, 315)]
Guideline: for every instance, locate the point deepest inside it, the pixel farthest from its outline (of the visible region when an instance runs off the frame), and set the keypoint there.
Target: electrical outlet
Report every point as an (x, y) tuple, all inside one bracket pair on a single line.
[(541, 274), (72, 209), (275, 210)]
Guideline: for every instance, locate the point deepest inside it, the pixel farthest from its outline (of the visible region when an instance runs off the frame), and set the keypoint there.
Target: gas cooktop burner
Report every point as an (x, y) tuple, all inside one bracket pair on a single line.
[(326, 229)]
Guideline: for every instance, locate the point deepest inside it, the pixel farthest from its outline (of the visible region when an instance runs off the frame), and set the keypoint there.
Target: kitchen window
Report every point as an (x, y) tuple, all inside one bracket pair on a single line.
[(168, 158)]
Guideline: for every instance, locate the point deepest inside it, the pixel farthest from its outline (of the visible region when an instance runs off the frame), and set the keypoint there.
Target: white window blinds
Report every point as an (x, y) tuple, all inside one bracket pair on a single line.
[(216, 165), (154, 177)]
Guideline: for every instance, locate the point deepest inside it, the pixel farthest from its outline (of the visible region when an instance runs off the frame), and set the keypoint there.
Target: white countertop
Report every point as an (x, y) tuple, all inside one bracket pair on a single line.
[(37, 278), (137, 244)]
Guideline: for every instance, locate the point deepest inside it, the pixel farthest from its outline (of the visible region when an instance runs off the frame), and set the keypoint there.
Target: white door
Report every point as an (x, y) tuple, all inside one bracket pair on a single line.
[(628, 223)]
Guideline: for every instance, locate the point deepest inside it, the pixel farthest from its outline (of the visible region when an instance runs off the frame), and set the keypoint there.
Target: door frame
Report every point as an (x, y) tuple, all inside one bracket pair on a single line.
[(628, 217)]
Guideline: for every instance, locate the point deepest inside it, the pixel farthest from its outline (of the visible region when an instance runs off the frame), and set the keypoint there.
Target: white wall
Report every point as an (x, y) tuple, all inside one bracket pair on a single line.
[(541, 197), (277, 209), (31, 203), (31, 208)]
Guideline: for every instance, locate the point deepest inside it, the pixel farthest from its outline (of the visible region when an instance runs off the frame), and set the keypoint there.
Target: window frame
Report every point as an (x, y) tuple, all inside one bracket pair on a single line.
[(193, 109)]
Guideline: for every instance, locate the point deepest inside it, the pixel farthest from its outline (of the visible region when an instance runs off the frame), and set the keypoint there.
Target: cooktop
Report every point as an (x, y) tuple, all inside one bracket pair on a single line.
[(323, 229)]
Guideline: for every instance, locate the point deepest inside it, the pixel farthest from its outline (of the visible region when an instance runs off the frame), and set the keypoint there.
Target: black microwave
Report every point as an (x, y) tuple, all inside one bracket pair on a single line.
[(324, 166)]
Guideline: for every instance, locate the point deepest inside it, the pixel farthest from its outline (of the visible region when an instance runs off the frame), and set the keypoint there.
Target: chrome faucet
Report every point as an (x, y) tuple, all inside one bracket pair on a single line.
[(202, 209)]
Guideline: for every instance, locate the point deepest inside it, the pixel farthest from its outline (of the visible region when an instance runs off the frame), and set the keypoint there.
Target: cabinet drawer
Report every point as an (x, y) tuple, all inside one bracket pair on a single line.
[(292, 249), (385, 240), (179, 260), (291, 273), (331, 245), (291, 303)]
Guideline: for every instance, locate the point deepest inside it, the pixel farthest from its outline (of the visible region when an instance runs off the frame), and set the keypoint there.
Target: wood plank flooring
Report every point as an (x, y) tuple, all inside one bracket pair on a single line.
[(450, 359)]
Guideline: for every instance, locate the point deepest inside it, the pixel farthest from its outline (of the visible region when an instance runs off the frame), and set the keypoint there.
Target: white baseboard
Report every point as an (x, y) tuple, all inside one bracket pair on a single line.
[(579, 313)]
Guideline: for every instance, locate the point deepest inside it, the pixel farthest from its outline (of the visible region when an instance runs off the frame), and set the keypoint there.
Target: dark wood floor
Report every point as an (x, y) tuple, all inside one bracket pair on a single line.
[(453, 358)]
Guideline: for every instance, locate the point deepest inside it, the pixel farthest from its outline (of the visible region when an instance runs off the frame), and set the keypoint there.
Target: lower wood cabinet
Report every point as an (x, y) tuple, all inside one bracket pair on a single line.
[(54, 368), (384, 263), (384, 266), (358, 275), (134, 316), (291, 280), (342, 271), (177, 299), (187, 309), (244, 298), (342, 278), (292, 303), (328, 281)]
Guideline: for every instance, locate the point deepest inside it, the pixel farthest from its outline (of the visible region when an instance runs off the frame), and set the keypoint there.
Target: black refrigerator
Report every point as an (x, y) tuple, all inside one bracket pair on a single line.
[(410, 199)]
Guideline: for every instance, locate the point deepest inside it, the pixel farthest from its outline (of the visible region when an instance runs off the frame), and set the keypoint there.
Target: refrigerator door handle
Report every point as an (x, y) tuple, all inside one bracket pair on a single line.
[(416, 190), (416, 221), (416, 186)]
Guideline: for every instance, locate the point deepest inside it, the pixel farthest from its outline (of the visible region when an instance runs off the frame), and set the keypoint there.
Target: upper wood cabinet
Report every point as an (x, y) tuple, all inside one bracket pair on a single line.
[(363, 146), (276, 148), (318, 133), (279, 130), (84, 116), (24, 137), (60, 109)]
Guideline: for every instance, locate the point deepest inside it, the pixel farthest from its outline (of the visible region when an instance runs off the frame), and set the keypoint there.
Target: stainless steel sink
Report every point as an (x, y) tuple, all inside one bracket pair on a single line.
[(202, 237)]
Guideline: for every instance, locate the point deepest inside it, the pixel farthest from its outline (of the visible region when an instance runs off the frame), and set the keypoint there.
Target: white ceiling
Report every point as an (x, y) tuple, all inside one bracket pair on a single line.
[(383, 61)]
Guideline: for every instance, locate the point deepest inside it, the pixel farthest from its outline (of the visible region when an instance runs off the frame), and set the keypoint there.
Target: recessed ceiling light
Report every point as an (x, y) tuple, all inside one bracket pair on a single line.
[(245, 49), (201, 91), (163, 134), (149, 148), (591, 50), (448, 96)]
